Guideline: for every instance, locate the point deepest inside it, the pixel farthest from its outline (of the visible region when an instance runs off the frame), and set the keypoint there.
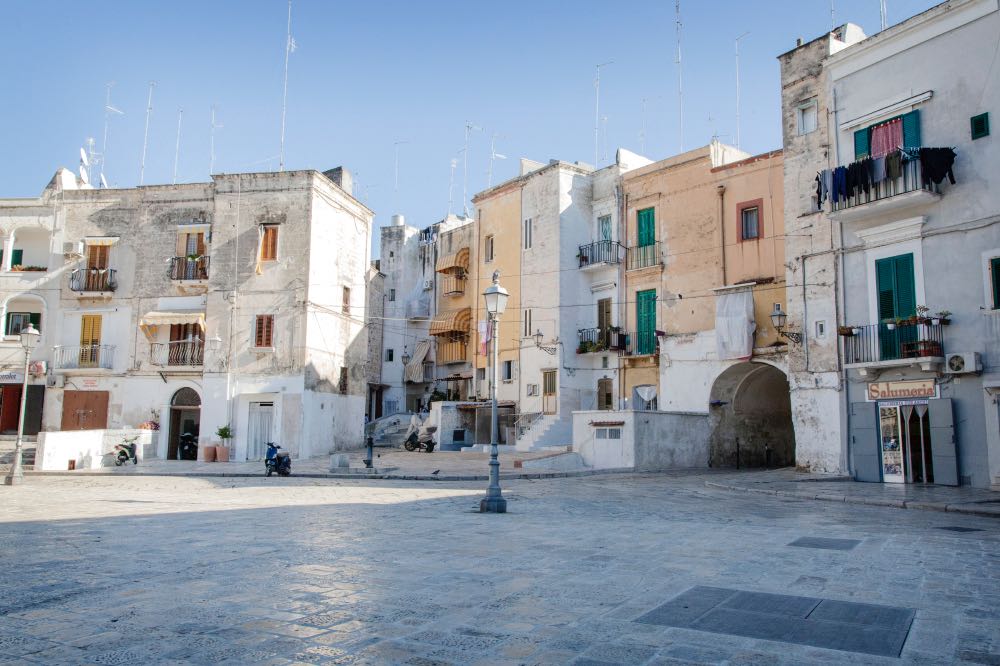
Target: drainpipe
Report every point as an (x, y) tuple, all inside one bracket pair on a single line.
[(721, 190), (622, 201)]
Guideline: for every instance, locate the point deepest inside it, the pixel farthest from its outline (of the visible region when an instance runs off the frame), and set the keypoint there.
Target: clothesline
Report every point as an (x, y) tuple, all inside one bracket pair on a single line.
[(860, 176)]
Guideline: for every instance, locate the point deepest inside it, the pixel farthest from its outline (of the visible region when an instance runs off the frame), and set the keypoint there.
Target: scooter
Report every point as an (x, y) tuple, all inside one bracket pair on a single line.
[(424, 441), (277, 462), (125, 452)]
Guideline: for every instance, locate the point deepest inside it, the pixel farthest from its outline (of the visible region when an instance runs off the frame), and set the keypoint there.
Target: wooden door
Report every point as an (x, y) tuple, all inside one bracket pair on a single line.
[(645, 312), (549, 397), (85, 410), (10, 407), (90, 341)]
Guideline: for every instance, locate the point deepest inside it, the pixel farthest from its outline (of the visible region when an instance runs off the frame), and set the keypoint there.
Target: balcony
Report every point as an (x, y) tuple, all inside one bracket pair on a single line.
[(453, 284), (635, 343), (595, 340), (93, 280), (878, 346), (187, 269), (84, 357), (643, 256), (601, 253), (907, 191), (453, 351), (991, 334), (185, 353)]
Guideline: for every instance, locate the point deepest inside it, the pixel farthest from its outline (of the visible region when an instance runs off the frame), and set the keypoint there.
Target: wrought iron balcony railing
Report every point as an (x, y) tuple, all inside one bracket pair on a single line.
[(635, 343), (185, 268), (877, 343), (93, 279), (84, 356), (601, 252), (594, 340), (643, 256), (909, 180), (183, 352)]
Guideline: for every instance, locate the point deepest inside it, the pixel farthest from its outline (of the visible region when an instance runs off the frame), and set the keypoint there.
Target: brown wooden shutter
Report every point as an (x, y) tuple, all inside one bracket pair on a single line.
[(269, 243), (264, 331), (97, 256), (201, 244)]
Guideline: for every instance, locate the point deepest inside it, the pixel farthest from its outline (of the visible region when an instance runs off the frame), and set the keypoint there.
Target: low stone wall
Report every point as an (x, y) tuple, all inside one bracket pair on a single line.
[(87, 448), (641, 440)]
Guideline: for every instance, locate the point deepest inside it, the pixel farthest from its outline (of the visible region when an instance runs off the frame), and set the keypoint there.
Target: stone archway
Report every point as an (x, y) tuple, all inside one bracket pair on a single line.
[(751, 418), (185, 419)]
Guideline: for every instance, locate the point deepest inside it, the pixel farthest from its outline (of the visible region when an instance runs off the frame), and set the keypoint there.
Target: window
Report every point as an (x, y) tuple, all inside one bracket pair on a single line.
[(605, 390), (347, 300), (19, 320), (911, 133), (807, 117), (749, 223), (391, 406), (488, 249), (90, 340), (821, 329), (532, 389), (609, 433), (388, 355), (604, 228), (995, 281), (269, 243), (645, 311), (97, 256), (527, 324), (392, 294), (980, 126), (604, 361), (263, 336), (646, 223), (428, 371), (896, 293), (16, 257), (507, 371), (481, 374), (527, 234), (342, 383)]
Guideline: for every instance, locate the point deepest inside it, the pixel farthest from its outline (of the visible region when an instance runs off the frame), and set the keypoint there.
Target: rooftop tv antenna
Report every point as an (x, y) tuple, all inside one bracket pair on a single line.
[(211, 142), (883, 13), (833, 17), (145, 135), (604, 125), (465, 167), (177, 144), (680, 76), (597, 108), (289, 47), (451, 185), (494, 155), (108, 110), (395, 171), (737, 42)]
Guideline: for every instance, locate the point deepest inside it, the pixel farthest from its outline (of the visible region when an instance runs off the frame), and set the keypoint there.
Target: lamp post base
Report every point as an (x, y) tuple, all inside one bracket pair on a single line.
[(15, 476), (493, 505)]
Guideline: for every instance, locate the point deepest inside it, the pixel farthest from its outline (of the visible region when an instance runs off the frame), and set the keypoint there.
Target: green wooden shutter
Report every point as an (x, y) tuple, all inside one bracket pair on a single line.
[(645, 310), (36, 320), (885, 276), (995, 277), (911, 129), (647, 227), (861, 142), (16, 257), (906, 293), (6, 327)]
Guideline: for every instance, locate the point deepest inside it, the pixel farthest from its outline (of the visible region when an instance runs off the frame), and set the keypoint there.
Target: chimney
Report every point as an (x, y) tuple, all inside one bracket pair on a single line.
[(342, 177)]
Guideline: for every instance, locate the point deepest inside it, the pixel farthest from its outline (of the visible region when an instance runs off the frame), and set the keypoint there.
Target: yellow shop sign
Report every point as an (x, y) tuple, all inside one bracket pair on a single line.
[(909, 390)]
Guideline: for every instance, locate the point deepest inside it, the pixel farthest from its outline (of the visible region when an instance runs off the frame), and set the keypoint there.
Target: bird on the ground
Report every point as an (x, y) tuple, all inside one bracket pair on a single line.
[(435, 471)]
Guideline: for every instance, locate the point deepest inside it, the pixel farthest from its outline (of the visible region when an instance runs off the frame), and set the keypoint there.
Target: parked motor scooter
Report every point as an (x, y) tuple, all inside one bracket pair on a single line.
[(421, 439), (125, 452), (276, 461), (188, 446)]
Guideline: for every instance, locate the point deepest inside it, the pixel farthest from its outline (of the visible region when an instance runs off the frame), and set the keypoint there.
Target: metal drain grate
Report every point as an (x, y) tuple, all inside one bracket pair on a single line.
[(822, 623)]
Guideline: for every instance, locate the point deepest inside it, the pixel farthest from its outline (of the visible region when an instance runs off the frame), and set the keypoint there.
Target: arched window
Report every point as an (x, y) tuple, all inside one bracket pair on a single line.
[(186, 397)]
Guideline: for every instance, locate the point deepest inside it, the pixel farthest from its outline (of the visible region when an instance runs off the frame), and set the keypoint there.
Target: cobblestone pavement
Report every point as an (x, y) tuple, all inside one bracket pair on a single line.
[(131, 570)]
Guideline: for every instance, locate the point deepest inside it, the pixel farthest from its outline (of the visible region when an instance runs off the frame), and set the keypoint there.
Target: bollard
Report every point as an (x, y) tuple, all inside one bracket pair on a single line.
[(369, 443)]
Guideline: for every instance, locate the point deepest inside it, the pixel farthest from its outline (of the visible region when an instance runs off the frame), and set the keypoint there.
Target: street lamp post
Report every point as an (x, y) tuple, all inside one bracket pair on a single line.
[(29, 340), (496, 302)]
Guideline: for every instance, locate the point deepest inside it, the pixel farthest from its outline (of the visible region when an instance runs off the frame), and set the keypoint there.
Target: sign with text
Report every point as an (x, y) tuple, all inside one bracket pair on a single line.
[(918, 389), (11, 377)]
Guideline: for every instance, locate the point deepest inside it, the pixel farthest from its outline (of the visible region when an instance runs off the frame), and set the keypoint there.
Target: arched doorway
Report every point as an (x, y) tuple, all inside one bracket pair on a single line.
[(185, 419), (751, 417)]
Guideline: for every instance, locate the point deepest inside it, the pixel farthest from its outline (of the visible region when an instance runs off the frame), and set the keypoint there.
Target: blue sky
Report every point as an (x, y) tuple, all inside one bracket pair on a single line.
[(367, 74)]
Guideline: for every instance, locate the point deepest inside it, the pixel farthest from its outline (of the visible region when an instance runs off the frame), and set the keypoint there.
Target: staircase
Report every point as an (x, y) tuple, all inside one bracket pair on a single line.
[(547, 432), (7, 452), (389, 431)]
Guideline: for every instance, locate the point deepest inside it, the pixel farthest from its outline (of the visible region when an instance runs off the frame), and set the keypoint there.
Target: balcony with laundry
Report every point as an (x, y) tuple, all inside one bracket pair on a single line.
[(453, 269), (891, 171)]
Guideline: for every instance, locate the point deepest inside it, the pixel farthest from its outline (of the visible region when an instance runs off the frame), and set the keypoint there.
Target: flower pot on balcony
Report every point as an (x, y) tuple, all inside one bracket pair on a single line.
[(855, 331), (846, 331), (891, 327)]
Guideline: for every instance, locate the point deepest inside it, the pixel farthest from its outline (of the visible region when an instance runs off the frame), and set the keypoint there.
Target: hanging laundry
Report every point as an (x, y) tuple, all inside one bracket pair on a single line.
[(886, 137), (935, 165), (894, 165), (878, 169)]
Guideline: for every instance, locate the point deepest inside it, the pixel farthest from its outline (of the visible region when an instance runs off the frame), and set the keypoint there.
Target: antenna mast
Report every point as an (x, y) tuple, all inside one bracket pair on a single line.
[(494, 155), (145, 135), (211, 148), (108, 110), (597, 111), (451, 184), (738, 87), (289, 47), (884, 14), (680, 76), (833, 18), (177, 145), (465, 168)]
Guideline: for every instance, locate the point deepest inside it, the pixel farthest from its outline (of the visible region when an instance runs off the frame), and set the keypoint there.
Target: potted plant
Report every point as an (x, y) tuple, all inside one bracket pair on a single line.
[(943, 318), (225, 434), (922, 317), (890, 323), (845, 331)]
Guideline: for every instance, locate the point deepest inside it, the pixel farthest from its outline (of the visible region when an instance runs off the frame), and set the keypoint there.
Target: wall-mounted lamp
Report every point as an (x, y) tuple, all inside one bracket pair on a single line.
[(778, 319), (538, 343)]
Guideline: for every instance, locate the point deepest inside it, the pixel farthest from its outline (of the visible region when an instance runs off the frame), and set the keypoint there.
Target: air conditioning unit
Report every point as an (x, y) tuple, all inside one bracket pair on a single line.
[(962, 362), (55, 381), (73, 249), (428, 285)]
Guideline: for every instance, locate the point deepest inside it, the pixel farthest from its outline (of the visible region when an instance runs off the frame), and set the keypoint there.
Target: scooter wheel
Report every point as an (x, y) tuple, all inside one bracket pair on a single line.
[(119, 462), (410, 447), (268, 473), (285, 473)]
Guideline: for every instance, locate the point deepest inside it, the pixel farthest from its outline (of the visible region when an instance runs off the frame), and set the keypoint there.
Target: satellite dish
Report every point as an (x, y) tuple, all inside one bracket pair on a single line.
[(104, 182), (83, 158), (83, 175)]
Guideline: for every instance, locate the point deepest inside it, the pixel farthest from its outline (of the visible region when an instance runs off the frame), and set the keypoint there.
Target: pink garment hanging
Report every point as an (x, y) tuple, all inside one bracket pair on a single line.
[(886, 138)]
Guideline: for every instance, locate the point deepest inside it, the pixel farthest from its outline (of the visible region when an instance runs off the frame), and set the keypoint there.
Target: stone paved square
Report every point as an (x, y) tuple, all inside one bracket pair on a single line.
[(126, 570)]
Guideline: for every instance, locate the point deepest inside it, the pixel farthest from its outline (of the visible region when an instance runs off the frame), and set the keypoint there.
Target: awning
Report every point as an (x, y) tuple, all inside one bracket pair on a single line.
[(149, 321), (452, 322), (194, 228), (101, 240), (414, 371), (451, 261)]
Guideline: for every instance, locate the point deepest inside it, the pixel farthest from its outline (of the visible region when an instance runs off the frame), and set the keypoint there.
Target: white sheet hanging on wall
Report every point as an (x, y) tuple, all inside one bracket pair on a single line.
[(734, 324)]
